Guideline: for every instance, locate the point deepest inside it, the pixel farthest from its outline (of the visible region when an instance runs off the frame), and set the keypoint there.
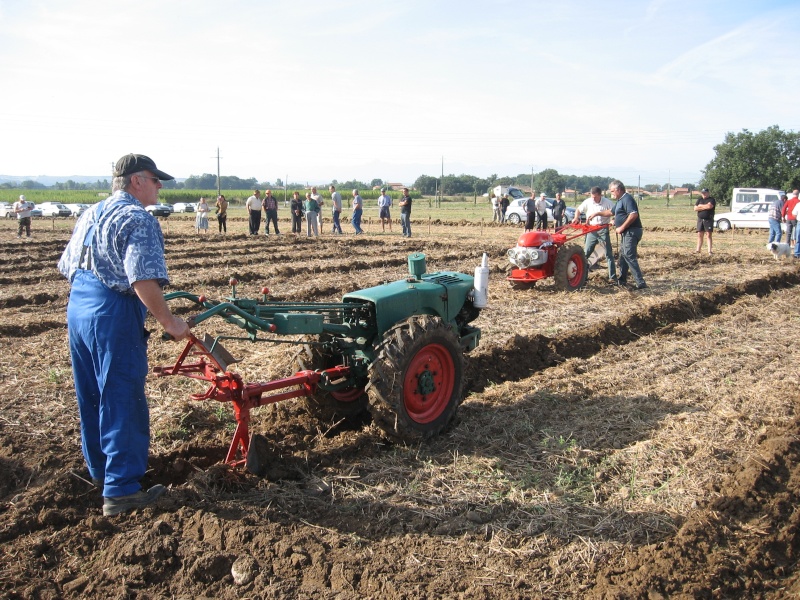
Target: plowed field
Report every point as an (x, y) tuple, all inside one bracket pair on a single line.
[(612, 444)]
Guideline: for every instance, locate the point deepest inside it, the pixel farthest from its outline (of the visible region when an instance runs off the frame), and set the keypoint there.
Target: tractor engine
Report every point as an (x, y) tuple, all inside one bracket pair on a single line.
[(533, 249)]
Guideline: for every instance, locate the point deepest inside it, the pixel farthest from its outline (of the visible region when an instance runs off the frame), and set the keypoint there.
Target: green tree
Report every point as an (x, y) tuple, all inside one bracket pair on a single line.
[(206, 181), (426, 184), (354, 184), (376, 182), (769, 158), (549, 182), (29, 184)]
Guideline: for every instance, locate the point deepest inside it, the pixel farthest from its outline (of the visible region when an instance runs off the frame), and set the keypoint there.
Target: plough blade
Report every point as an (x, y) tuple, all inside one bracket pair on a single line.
[(209, 345)]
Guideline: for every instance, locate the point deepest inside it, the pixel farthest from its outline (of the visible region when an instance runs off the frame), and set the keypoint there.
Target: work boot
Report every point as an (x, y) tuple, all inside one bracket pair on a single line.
[(115, 506)]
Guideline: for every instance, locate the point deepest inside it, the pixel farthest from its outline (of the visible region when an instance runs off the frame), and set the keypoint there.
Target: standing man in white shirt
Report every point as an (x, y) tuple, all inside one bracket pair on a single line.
[(253, 206), (598, 212), (541, 213), (384, 204), (320, 203), (23, 210)]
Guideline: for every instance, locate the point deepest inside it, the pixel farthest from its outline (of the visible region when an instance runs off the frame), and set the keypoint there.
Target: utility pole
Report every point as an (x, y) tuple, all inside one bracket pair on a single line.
[(441, 188), (669, 184), (219, 191)]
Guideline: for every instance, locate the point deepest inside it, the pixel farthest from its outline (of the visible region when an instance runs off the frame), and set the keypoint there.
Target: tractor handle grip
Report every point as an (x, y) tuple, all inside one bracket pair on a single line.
[(168, 338)]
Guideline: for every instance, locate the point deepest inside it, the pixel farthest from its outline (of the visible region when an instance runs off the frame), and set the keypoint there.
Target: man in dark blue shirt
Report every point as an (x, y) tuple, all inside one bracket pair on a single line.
[(629, 227)]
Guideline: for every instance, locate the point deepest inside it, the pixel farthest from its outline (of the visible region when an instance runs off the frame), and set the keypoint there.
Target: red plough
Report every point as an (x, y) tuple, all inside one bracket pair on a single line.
[(226, 386)]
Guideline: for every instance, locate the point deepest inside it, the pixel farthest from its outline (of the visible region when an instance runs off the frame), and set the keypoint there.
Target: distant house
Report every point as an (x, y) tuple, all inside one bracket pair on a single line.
[(393, 186)]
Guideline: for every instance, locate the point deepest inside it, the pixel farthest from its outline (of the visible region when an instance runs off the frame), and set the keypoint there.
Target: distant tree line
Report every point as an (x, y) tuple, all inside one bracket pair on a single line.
[(29, 184), (548, 181)]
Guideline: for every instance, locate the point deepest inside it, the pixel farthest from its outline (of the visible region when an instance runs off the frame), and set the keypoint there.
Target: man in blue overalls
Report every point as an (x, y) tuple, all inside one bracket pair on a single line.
[(116, 266)]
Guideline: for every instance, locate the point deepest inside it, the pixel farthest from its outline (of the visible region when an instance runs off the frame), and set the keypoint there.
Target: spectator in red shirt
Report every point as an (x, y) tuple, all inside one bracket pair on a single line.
[(789, 218)]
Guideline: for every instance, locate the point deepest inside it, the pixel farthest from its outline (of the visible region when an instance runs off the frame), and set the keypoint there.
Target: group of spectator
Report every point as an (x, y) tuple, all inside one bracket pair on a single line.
[(536, 212), (785, 210), (310, 211)]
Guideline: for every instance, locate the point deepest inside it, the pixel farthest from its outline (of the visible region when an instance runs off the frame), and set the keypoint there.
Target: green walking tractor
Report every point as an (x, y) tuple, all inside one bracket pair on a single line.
[(395, 350)]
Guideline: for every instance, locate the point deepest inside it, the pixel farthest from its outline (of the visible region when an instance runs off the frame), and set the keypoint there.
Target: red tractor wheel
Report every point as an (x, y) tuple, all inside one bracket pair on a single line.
[(417, 380), (348, 402), (571, 268)]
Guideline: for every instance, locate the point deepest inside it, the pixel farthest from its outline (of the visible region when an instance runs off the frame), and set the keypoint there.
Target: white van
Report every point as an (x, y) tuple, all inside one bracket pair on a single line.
[(744, 196)]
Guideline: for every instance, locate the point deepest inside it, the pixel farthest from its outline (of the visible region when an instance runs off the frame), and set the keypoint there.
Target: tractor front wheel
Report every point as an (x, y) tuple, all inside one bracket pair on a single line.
[(417, 380), (571, 268), (349, 402)]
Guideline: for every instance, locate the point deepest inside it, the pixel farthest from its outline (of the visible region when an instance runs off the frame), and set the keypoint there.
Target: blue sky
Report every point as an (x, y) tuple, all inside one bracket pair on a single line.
[(361, 89)]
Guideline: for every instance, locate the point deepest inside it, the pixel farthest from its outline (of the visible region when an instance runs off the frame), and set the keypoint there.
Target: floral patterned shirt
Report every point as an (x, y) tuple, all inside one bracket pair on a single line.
[(127, 245)]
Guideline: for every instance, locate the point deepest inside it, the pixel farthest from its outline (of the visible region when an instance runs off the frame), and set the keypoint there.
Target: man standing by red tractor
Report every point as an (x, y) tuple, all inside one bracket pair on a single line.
[(629, 226), (598, 212)]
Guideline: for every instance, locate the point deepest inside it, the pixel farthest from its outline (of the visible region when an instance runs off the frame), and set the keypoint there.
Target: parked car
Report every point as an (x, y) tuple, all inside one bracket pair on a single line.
[(516, 211), (183, 207), (77, 209), (755, 215), (54, 209), (159, 210)]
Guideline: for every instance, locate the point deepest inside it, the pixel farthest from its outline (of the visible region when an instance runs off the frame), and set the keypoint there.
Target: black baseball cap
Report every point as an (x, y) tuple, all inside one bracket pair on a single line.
[(133, 163), (703, 190)]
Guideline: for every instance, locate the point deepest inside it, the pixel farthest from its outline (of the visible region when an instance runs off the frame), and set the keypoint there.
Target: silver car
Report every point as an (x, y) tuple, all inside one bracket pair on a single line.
[(55, 209)]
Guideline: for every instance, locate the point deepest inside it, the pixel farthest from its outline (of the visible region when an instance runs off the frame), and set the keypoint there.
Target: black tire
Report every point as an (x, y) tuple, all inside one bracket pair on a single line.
[(417, 379), (723, 225), (571, 268), (514, 219), (328, 406)]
